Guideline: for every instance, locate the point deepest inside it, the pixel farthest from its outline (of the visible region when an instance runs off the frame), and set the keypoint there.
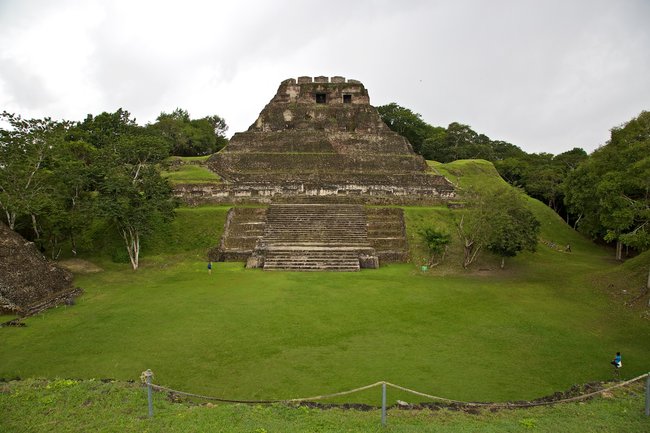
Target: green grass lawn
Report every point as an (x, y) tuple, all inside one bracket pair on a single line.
[(88, 406), (539, 326), (189, 169), (251, 334)]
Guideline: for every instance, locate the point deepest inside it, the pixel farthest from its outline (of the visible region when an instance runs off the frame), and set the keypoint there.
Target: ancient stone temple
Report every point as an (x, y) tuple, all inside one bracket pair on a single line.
[(317, 153), (320, 140)]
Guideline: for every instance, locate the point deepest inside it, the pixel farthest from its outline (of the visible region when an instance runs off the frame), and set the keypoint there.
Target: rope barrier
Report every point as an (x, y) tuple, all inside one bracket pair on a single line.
[(207, 397), (401, 388), (337, 394), (291, 400), (528, 404)]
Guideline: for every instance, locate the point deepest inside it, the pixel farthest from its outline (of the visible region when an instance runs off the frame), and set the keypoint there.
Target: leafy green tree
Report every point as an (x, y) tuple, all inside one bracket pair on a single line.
[(407, 123), (542, 175), (103, 129), (132, 193), (513, 227), (25, 147), (611, 190), (496, 219), (72, 207), (192, 137), (457, 141), (473, 225), (436, 241)]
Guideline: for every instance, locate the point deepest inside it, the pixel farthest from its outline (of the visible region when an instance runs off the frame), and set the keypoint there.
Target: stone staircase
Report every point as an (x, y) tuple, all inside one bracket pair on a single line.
[(387, 234), (314, 237), (243, 228)]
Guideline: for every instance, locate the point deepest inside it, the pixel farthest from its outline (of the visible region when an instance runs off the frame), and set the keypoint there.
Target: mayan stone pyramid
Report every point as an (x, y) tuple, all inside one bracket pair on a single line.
[(320, 139)]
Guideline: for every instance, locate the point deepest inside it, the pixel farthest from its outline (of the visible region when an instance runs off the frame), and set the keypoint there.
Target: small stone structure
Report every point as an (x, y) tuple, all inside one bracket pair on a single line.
[(28, 281)]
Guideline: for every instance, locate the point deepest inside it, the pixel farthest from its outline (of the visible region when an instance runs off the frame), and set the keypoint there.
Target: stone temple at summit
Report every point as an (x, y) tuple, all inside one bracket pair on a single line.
[(314, 160)]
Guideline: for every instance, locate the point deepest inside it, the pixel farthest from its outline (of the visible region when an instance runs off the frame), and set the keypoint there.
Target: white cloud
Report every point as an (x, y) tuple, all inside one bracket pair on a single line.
[(545, 76)]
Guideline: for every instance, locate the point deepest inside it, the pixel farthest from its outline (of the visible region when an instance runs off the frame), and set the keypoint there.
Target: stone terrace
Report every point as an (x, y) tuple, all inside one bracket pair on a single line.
[(320, 137)]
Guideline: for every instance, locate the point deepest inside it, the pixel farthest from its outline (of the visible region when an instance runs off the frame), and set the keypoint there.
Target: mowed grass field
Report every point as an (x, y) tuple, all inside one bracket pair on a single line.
[(539, 326)]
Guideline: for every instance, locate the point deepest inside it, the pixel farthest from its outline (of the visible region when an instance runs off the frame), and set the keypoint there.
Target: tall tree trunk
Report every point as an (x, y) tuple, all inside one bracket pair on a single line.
[(619, 250), (11, 219), (503, 262), (73, 243), (648, 285), (575, 224), (132, 240), (35, 227)]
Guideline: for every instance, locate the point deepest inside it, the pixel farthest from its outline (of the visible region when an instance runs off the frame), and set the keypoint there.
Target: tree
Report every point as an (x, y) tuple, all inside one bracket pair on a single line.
[(407, 123), (437, 242), (191, 137), (103, 129), (457, 141), (132, 193), (497, 219), (73, 197), (25, 148), (611, 190), (542, 175), (473, 227), (513, 227)]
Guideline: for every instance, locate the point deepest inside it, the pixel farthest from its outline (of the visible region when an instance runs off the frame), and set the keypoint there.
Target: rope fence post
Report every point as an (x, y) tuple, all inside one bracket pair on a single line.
[(147, 376), (383, 404), (647, 395)]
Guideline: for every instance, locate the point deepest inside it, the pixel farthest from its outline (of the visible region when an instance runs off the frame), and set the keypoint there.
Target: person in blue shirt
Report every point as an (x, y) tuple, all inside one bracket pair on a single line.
[(617, 361)]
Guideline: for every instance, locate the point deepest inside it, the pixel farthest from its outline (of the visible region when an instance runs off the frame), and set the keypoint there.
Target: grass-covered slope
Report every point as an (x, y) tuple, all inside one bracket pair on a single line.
[(89, 406), (189, 170), (539, 326)]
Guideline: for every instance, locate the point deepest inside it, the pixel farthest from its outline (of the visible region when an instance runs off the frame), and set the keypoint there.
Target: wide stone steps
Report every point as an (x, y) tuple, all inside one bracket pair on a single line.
[(311, 260), (314, 237), (387, 235)]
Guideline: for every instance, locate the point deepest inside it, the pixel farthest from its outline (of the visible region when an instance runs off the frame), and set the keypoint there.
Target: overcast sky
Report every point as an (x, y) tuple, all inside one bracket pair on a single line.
[(546, 75)]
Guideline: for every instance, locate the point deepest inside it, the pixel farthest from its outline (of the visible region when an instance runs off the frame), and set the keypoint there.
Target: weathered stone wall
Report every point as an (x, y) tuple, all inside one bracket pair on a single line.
[(304, 90), (319, 117), (286, 192), (309, 141), (231, 164)]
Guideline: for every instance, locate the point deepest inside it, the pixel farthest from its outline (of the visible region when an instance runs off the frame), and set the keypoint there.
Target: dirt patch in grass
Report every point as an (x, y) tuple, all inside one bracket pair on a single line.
[(80, 266)]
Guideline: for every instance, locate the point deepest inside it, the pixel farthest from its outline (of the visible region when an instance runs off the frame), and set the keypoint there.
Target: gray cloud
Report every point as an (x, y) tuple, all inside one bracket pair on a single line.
[(546, 76), (22, 87)]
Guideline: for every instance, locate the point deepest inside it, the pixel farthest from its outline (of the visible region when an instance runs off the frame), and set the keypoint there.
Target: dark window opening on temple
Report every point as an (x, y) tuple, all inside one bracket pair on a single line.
[(321, 98), (347, 99)]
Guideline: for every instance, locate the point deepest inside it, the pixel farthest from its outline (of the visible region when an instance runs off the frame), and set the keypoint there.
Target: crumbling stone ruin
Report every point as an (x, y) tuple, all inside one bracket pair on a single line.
[(320, 140), (28, 281), (317, 153)]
